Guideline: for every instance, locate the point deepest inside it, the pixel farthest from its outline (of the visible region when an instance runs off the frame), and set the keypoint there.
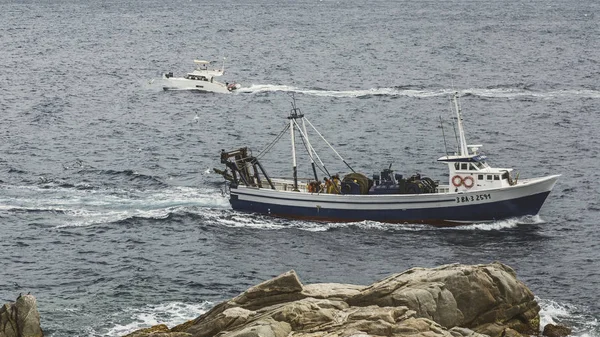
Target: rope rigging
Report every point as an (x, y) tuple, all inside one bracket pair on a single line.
[(305, 141), (324, 169), (270, 145)]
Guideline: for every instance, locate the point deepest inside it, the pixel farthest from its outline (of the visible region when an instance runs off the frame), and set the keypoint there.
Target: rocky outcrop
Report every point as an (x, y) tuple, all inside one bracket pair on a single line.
[(553, 330), (21, 318), (449, 301)]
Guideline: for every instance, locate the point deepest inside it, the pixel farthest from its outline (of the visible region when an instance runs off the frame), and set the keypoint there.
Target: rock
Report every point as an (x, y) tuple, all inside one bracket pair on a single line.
[(552, 330), (491, 329), (448, 301), (21, 318), (459, 295), (160, 330), (266, 328), (284, 288), (464, 332), (508, 332), (308, 313), (147, 331), (375, 313), (331, 290), (216, 321)]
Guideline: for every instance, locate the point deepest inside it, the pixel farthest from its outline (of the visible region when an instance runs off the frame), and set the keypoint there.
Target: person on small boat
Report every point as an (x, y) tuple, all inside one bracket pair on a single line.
[(337, 183), (328, 186), (333, 185), (314, 187)]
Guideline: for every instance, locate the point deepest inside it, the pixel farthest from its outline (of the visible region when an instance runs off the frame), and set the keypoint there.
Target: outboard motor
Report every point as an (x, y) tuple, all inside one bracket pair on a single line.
[(169, 75), (233, 86)]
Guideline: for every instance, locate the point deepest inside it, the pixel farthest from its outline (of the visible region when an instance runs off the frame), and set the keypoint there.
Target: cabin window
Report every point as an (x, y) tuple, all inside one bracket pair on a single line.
[(496, 177), (463, 166), (505, 176), (480, 177), (472, 168), (489, 177), (456, 166)]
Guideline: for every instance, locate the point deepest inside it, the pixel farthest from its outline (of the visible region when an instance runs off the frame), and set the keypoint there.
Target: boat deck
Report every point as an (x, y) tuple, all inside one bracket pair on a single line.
[(284, 184)]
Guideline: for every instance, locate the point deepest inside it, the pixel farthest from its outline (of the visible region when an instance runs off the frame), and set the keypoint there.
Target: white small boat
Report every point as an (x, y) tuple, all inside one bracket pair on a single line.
[(201, 79), (476, 191)]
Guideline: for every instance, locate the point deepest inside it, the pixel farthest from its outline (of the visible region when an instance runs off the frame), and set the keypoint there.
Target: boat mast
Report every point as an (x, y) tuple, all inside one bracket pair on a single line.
[(461, 132), (223, 67), (294, 114), (310, 151)]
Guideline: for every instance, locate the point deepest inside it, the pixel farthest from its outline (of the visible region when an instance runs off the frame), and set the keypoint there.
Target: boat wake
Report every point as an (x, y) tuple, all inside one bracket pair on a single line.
[(72, 207), (498, 92), (502, 224), (243, 220)]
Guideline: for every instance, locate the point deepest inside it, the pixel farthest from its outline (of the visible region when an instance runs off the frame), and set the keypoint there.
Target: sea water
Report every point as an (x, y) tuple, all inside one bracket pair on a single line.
[(110, 213)]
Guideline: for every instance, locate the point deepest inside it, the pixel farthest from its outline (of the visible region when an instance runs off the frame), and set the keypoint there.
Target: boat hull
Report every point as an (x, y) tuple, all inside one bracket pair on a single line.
[(525, 198), (176, 83)]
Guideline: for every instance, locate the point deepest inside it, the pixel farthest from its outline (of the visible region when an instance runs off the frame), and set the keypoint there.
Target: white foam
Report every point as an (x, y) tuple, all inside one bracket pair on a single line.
[(373, 225), (572, 316), (171, 314), (260, 88), (489, 226), (500, 224), (244, 221), (481, 92), (89, 207)]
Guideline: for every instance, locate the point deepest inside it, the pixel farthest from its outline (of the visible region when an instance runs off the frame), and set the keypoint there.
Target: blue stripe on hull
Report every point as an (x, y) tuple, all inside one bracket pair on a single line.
[(529, 205)]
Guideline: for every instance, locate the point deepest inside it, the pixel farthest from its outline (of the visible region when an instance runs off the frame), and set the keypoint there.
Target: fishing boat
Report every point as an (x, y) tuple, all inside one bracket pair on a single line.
[(475, 191), (201, 79)]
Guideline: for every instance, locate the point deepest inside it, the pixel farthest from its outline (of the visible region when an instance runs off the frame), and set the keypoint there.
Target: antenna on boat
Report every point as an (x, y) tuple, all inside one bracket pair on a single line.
[(223, 67), (453, 124), (464, 151), (444, 136)]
